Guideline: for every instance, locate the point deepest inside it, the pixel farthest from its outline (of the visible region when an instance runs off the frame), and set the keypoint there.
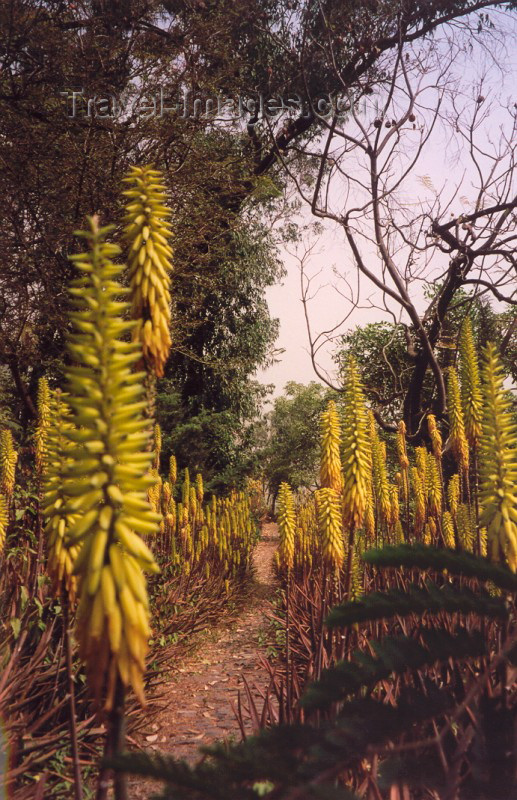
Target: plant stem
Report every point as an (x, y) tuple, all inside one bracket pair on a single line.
[(287, 648), (78, 785), (115, 740)]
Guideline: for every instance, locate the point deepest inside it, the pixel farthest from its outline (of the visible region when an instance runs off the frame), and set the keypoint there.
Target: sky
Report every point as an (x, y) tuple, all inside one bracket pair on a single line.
[(284, 301), (326, 308)]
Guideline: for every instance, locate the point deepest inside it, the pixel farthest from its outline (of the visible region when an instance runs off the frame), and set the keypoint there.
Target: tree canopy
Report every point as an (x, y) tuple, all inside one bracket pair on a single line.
[(386, 357), (292, 451), (283, 63)]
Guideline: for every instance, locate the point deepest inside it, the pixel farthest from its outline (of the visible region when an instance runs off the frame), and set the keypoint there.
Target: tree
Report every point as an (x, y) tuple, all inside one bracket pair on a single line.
[(64, 155), (386, 358), (403, 235), (222, 444), (58, 165), (292, 450)]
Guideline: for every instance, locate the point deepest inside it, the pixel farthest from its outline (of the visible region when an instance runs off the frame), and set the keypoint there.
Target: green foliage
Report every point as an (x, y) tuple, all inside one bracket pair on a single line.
[(380, 351), (222, 445), (414, 599), (291, 453), (386, 356), (455, 563)]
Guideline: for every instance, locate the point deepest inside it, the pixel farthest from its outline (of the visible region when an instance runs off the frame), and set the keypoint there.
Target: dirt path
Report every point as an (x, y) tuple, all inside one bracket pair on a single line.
[(200, 694)]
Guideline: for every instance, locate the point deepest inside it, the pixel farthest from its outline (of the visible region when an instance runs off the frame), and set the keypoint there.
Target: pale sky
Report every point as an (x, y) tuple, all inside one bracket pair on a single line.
[(327, 307)]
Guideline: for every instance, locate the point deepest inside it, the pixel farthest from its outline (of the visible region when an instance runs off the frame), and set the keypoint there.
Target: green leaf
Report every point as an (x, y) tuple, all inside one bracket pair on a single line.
[(394, 655), (454, 563), (415, 599)]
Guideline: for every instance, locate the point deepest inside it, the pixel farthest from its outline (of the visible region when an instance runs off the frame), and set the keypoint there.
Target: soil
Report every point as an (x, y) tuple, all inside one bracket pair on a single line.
[(198, 699)]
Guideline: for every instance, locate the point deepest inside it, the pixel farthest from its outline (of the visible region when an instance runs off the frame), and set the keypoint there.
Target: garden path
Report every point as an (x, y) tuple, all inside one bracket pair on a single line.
[(199, 697)]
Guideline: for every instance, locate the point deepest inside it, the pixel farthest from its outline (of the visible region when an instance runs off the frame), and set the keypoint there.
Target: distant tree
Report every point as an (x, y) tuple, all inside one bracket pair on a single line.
[(56, 168), (292, 450), (224, 445), (386, 357)]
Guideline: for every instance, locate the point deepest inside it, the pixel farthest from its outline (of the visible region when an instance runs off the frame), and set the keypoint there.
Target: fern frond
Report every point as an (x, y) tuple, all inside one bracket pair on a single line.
[(466, 564), (431, 599), (393, 655)]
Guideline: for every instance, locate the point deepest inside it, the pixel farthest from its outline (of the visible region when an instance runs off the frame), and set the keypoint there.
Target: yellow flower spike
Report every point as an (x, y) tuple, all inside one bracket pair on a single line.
[(403, 460), (380, 478), (173, 470), (166, 497), (464, 523), (356, 578), (419, 501), (60, 556), (192, 501), (4, 521), (157, 446), (102, 483), (401, 446), (356, 449), (394, 516), (421, 463), (147, 235), (399, 533), (453, 494), (154, 491), (448, 530), (457, 437), (200, 492), (185, 489), (8, 461), (435, 436), (434, 487), (286, 526), (428, 535), (330, 468), (471, 396), (498, 458), (369, 516), (330, 527), (40, 434)]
